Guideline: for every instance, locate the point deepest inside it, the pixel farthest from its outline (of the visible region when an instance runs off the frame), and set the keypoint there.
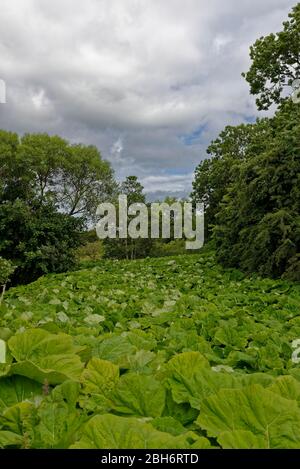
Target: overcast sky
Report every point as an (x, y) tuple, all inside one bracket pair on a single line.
[(150, 82)]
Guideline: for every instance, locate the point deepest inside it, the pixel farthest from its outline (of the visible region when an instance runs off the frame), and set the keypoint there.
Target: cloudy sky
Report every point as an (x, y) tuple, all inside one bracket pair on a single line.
[(150, 82)]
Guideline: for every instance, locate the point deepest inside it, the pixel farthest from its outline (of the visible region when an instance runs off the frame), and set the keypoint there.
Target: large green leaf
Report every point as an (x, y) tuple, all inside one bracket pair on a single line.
[(168, 425), (34, 344), (8, 439), (20, 419), (115, 349), (98, 380), (57, 425), (227, 335), (140, 339), (253, 409), (45, 357), (288, 387), (68, 392), (184, 413), (17, 389), (113, 432), (52, 370), (242, 439), (100, 377), (138, 394), (191, 379)]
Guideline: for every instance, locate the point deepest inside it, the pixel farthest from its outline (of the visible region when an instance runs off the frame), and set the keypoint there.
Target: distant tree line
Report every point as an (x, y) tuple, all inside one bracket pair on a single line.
[(129, 248)]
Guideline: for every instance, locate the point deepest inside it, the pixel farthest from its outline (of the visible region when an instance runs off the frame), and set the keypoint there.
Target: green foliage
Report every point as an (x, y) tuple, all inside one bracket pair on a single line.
[(155, 353), (133, 189), (214, 176), (261, 418), (85, 181), (250, 186), (160, 353), (128, 248), (112, 432), (6, 270), (258, 224), (170, 248), (37, 239), (93, 251), (48, 190), (49, 169), (275, 62)]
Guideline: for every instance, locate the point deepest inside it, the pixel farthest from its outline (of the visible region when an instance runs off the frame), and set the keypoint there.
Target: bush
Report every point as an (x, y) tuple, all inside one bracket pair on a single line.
[(38, 240), (93, 251), (172, 248)]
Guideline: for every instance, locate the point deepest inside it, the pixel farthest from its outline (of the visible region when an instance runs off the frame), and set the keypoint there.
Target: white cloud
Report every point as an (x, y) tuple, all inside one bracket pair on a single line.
[(154, 71), (221, 41), (117, 149), (168, 183)]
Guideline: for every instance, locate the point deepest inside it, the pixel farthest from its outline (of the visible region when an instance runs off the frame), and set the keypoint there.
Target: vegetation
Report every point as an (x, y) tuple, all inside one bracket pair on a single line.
[(92, 251), (191, 351), (251, 184), (150, 354), (38, 240), (49, 169), (128, 248), (49, 190), (6, 270), (275, 63)]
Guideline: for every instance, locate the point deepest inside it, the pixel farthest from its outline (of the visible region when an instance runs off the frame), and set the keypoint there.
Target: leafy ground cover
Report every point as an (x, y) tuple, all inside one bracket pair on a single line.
[(157, 353)]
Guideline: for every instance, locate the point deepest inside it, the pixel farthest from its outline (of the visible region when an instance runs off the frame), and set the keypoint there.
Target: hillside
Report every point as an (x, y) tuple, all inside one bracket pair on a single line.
[(126, 354)]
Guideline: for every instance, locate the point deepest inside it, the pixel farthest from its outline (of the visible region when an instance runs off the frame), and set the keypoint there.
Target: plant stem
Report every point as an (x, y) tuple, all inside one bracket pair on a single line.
[(2, 294)]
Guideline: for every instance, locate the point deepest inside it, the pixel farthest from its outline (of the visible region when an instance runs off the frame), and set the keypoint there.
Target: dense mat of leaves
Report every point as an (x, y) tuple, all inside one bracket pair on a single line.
[(157, 353)]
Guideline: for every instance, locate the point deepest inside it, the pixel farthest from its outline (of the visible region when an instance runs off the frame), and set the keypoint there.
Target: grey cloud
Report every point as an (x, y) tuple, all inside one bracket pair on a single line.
[(146, 74)]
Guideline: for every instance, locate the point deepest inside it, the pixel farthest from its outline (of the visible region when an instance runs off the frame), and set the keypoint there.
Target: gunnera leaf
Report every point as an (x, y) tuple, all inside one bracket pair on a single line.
[(138, 394), (253, 409), (43, 356), (113, 432)]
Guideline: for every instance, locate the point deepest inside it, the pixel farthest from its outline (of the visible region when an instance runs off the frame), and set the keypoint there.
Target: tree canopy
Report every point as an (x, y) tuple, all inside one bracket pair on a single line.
[(250, 186), (275, 63), (49, 190)]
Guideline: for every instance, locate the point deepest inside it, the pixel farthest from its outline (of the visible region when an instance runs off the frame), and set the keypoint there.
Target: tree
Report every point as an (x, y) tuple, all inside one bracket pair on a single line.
[(85, 181), (37, 239), (74, 177), (275, 63), (44, 156), (214, 176), (49, 169), (251, 184), (48, 190), (133, 189), (258, 222), (15, 178), (129, 248)]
